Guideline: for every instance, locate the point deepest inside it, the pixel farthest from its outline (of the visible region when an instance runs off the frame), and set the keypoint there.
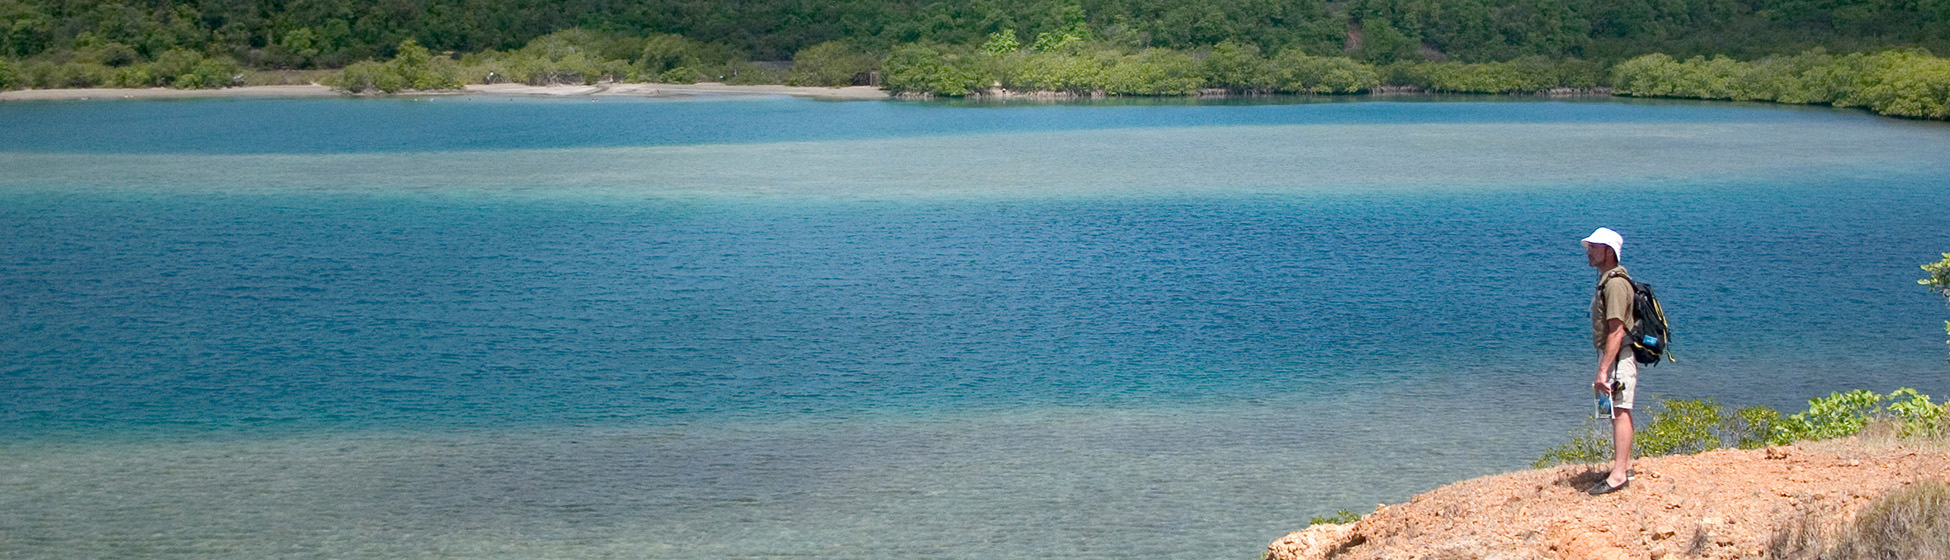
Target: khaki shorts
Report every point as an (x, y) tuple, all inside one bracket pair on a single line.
[(1627, 372)]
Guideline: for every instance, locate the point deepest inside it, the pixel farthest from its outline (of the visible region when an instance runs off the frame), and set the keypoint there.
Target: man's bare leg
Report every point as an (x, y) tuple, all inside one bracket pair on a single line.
[(1621, 440)]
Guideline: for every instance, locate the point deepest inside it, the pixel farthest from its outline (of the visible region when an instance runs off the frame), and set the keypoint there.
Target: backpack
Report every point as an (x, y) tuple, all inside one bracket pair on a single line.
[(1649, 334)]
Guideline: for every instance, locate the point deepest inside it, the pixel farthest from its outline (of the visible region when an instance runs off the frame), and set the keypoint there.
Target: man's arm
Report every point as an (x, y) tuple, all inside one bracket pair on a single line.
[(1614, 340)]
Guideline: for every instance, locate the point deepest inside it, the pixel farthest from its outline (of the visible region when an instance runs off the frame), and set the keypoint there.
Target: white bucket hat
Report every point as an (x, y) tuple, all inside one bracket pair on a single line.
[(1609, 238)]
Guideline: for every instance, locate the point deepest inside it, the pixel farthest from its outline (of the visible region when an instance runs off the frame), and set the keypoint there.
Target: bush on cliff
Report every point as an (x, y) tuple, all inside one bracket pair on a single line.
[(1693, 426), (1939, 281), (1338, 518)]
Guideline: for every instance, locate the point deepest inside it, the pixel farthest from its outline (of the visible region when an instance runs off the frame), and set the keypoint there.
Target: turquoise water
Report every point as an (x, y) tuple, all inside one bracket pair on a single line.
[(480, 327)]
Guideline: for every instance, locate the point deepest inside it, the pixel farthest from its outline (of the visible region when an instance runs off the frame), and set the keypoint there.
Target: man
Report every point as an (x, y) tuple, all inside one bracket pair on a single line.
[(1611, 317)]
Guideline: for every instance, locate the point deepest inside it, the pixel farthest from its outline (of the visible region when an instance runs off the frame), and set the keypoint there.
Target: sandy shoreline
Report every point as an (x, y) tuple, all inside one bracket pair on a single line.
[(512, 90)]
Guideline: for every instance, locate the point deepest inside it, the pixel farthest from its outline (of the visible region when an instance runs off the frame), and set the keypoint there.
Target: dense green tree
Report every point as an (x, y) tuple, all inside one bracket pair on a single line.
[(25, 28), (926, 68), (673, 58), (294, 33), (1153, 72), (1295, 72), (9, 77), (1907, 83), (1238, 67), (413, 67), (1523, 75), (833, 63), (1002, 42), (1722, 49)]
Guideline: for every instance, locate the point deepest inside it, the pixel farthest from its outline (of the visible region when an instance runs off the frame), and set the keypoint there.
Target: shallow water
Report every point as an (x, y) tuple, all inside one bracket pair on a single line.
[(741, 328)]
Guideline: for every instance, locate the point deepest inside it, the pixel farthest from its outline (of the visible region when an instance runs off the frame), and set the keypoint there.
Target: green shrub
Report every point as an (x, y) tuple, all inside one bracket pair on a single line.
[(570, 68), (688, 75), (744, 73), (572, 56), (1754, 426), (1588, 445), (173, 63), (93, 49), (368, 75), (1295, 72), (1002, 42), (1526, 75), (591, 44), (48, 74), (670, 55), (1939, 281), (1693, 426), (1341, 517), (9, 77), (209, 73), (1917, 415), (413, 67), (421, 70), (136, 76), (1238, 67), (923, 68), (1907, 83), (1837, 415), (832, 63), (1681, 427), (1153, 72), (1071, 72)]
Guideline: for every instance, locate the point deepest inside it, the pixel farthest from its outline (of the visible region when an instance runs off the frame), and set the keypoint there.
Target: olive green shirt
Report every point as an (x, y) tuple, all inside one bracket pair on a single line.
[(1612, 301)]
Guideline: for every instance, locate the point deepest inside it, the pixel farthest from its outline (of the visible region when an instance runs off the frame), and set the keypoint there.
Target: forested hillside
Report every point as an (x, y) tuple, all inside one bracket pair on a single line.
[(334, 33), (1871, 53)]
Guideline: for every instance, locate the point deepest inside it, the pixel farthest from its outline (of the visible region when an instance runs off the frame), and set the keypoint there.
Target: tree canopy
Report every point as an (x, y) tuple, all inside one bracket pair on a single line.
[(335, 33)]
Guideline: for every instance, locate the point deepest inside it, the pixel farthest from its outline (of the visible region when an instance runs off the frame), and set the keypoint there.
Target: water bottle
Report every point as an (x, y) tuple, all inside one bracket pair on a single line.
[(1604, 403)]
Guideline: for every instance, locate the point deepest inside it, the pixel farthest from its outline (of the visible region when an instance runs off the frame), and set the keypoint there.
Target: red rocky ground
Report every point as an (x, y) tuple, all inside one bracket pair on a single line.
[(1721, 504)]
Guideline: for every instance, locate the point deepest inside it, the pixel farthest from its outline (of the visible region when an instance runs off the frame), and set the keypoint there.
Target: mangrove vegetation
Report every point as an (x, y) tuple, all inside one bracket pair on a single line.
[(1873, 54)]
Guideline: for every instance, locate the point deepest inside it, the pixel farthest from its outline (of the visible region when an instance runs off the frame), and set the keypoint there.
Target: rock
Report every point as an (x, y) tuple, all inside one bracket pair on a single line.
[(1316, 542), (1728, 502)]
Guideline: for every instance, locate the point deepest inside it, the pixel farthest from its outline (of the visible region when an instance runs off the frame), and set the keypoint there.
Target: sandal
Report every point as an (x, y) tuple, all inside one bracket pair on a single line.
[(1604, 487)]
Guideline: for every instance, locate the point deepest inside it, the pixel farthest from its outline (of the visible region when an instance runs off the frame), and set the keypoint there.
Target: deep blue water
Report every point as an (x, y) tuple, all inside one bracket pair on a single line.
[(316, 126), (485, 327)]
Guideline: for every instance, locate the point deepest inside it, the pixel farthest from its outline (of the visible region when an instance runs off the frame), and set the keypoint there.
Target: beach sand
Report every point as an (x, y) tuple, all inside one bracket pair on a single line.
[(521, 90)]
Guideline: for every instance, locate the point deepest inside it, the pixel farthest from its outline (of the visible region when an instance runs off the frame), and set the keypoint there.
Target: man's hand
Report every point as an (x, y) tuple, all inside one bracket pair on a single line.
[(1614, 341)]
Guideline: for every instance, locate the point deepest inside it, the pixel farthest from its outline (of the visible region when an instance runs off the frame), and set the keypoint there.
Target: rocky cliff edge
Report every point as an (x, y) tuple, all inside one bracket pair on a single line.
[(1720, 504)]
